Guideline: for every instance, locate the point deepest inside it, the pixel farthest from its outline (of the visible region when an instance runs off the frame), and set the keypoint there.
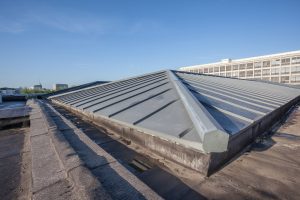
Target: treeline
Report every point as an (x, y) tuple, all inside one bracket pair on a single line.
[(35, 91)]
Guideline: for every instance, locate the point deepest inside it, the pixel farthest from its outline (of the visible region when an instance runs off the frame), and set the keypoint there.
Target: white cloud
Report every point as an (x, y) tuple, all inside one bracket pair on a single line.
[(74, 22), (11, 26)]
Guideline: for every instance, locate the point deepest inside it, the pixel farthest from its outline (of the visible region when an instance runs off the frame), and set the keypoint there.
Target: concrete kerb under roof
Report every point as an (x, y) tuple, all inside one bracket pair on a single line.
[(211, 126)]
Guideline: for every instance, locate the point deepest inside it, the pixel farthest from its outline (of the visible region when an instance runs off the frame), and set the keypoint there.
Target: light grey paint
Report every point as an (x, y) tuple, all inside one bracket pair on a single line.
[(186, 106)]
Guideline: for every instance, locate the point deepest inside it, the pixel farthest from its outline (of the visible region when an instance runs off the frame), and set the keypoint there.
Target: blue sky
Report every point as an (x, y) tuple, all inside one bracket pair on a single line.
[(80, 41)]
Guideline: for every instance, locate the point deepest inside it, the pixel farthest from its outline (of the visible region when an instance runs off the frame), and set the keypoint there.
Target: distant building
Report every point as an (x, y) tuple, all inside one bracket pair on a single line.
[(0, 98), (9, 91), (37, 87), (57, 86), (281, 67)]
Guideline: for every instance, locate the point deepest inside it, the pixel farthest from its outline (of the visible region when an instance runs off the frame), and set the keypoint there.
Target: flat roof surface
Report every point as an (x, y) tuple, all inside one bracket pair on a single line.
[(182, 106), (13, 109)]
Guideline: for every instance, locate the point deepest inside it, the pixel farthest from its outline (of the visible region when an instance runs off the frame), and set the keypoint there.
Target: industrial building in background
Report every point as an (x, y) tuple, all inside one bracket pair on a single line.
[(9, 91), (37, 87), (57, 86), (280, 68)]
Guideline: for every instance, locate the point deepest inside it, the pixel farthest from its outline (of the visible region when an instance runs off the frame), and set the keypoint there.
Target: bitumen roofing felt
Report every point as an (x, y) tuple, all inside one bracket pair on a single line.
[(185, 106)]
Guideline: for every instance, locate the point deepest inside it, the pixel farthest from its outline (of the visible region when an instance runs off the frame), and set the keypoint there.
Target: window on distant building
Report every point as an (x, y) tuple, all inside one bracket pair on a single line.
[(222, 69), (257, 72), (242, 74), (275, 63), (295, 69), (275, 79), (296, 60), (211, 70), (257, 65), (249, 65), (242, 66), (266, 72), (285, 79), (285, 70), (295, 79), (205, 70), (275, 71), (228, 74), (228, 68), (235, 74), (285, 61), (266, 64), (216, 69), (265, 78), (235, 67), (249, 73)]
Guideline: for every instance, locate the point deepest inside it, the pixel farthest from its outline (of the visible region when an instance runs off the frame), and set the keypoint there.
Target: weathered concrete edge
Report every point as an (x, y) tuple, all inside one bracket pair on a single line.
[(71, 169), (16, 119), (146, 191), (210, 162), (241, 141), (176, 152)]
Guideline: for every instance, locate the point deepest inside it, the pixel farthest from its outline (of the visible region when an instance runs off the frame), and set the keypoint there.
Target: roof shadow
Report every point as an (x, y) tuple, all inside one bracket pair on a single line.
[(162, 182)]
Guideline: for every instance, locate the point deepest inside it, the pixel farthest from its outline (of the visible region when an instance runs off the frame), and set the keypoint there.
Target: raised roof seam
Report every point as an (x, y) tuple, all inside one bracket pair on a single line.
[(203, 122)]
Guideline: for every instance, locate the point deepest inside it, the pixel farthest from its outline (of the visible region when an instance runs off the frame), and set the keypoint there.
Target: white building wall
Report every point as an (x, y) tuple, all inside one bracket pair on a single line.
[(282, 68)]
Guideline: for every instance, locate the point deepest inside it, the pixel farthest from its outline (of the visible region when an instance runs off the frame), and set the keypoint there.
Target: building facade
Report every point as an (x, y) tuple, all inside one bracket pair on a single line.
[(281, 68), (57, 86), (37, 87), (9, 91)]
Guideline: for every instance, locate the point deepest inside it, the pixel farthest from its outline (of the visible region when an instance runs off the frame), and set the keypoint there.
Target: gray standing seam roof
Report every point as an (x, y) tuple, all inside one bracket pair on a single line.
[(198, 110), (75, 88)]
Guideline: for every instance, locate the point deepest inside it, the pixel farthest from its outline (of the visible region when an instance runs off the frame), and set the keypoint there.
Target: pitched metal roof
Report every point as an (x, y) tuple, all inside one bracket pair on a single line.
[(201, 111)]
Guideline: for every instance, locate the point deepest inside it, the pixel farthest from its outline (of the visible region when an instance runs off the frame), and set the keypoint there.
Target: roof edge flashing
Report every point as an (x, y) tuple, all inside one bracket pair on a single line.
[(215, 142)]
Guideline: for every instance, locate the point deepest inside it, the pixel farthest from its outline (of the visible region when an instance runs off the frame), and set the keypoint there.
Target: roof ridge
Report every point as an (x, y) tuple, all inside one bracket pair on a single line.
[(213, 136)]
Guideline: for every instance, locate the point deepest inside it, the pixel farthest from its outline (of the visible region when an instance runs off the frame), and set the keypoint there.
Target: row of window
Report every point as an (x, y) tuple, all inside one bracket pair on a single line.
[(283, 79), (261, 72), (249, 66)]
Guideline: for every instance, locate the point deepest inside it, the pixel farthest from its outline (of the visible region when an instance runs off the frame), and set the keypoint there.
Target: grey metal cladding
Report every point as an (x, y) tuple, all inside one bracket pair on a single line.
[(236, 103), (196, 108)]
